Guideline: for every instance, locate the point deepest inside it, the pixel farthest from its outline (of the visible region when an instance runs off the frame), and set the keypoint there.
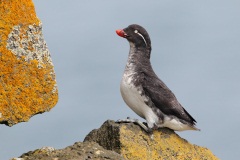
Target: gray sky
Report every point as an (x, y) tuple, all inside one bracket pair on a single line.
[(195, 51)]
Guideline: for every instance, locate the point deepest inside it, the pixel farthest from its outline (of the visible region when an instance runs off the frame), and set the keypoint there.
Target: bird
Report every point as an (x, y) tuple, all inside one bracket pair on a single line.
[(144, 92)]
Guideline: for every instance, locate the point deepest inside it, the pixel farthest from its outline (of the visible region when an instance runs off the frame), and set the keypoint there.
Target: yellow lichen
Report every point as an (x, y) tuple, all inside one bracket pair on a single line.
[(165, 146), (25, 89)]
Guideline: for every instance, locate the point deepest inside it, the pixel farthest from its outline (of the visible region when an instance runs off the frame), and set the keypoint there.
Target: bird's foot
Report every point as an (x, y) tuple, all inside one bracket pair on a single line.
[(138, 122)]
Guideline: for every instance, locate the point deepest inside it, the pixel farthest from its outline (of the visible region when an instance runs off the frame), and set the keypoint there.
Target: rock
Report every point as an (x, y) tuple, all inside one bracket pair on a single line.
[(27, 77), (114, 141), (133, 143), (80, 150)]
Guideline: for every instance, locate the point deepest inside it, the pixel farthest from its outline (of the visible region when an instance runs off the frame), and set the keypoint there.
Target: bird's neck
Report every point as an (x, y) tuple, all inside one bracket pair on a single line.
[(138, 58)]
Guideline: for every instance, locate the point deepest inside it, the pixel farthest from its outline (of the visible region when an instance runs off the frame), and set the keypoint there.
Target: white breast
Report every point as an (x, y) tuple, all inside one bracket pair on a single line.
[(132, 97)]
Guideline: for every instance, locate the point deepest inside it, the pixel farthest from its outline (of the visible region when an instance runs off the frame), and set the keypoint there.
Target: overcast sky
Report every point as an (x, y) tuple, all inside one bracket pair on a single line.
[(195, 51)]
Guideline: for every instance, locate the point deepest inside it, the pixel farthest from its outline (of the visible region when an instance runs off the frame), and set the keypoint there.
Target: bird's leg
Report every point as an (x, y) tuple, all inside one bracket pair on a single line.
[(138, 122)]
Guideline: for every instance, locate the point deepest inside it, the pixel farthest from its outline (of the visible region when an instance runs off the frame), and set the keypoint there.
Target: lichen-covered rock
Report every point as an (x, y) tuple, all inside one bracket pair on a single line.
[(133, 143), (114, 141), (78, 151), (27, 78)]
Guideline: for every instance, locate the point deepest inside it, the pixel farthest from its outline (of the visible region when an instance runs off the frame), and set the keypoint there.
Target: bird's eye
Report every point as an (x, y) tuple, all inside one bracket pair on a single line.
[(136, 31)]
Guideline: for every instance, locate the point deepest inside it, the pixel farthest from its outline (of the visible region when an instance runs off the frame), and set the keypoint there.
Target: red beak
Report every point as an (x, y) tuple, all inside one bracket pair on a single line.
[(121, 33)]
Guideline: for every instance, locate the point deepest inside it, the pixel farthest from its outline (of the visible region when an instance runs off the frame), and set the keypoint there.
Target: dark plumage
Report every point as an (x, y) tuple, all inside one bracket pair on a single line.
[(144, 92)]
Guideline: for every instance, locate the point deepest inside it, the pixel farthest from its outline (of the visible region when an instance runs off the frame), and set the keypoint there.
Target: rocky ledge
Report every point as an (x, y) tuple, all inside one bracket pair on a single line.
[(114, 141)]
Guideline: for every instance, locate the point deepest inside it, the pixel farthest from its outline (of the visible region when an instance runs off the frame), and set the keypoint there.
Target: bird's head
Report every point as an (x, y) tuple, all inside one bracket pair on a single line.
[(136, 35)]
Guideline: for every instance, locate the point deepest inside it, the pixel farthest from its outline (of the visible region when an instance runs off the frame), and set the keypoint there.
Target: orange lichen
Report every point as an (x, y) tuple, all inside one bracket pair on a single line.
[(165, 146), (25, 89)]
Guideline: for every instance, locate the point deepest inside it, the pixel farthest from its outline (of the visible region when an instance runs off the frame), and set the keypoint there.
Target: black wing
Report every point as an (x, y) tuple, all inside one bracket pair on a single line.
[(163, 98)]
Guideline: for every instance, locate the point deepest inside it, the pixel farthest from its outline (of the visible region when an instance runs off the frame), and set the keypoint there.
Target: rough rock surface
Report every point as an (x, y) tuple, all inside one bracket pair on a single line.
[(27, 77), (133, 143), (114, 141), (78, 151)]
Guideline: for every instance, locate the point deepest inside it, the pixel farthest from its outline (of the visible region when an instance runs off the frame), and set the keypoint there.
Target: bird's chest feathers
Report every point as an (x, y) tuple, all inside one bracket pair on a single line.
[(132, 94)]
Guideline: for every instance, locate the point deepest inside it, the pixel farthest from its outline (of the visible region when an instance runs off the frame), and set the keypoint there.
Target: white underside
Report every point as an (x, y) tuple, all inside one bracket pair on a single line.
[(175, 124), (135, 101)]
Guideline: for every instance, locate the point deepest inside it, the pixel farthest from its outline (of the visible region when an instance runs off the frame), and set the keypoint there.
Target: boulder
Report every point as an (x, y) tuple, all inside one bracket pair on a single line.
[(118, 141), (27, 78), (79, 150), (133, 143)]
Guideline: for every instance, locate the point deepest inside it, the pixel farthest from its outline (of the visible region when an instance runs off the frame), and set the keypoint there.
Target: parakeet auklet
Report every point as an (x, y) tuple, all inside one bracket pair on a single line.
[(144, 92)]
